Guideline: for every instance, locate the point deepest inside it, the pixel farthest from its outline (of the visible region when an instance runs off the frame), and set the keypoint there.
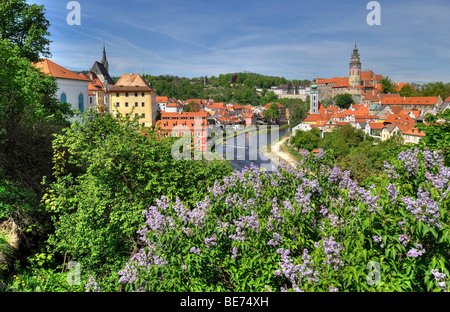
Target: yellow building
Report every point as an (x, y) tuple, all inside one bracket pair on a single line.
[(133, 96)]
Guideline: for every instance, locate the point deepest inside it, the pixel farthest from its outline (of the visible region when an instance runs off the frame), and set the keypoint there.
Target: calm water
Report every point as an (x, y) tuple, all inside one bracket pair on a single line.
[(248, 148)]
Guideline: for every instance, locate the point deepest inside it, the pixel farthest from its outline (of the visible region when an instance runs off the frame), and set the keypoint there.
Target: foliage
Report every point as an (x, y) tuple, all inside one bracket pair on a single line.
[(437, 133), (344, 100), (308, 140), (387, 86), (25, 26), (14, 199), (220, 88), (107, 170), (29, 115), (192, 106), (320, 231), (272, 113)]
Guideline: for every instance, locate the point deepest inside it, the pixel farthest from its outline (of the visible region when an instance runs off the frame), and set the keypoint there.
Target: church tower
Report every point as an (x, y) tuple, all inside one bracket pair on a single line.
[(104, 60), (314, 100), (354, 78)]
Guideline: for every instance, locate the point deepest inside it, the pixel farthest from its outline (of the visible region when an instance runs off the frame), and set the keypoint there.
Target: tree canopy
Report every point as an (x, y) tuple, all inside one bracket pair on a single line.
[(25, 26)]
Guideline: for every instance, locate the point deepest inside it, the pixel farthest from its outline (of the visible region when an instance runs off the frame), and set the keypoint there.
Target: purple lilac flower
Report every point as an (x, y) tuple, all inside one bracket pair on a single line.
[(416, 252), (234, 252), (198, 215), (390, 170), (333, 289), (392, 192), (378, 239), (195, 250), (277, 239), (211, 241), (404, 239), (332, 250), (295, 273), (184, 267), (424, 208), (440, 278), (92, 285)]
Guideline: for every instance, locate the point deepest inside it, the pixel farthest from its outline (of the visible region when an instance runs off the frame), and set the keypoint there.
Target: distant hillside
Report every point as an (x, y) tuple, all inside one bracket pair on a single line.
[(234, 87)]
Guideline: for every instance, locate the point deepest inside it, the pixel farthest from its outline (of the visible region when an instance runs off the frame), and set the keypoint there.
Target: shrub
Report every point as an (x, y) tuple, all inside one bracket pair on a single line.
[(303, 228)]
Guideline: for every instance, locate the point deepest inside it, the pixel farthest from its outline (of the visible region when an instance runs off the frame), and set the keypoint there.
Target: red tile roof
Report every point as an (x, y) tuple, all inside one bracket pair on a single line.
[(423, 100), (52, 69)]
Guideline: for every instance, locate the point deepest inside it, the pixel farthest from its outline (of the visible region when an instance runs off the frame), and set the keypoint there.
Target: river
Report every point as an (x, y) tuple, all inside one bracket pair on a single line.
[(250, 147)]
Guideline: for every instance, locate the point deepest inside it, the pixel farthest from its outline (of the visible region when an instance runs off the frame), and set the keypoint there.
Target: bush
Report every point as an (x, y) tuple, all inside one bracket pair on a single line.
[(308, 228), (107, 170)]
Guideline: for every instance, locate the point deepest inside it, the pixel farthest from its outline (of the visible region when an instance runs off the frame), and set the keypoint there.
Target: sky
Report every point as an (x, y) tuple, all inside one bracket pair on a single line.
[(295, 39)]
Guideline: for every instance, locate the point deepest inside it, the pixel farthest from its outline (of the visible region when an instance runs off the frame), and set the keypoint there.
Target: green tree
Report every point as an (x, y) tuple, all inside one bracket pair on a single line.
[(387, 86), (29, 115), (407, 90), (108, 170), (344, 100), (192, 107), (308, 140), (25, 26), (437, 133), (272, 113)]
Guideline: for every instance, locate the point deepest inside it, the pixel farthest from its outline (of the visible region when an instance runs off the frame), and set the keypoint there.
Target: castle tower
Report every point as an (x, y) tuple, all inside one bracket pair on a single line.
[(104, 60), (314, 100), (354, 77)]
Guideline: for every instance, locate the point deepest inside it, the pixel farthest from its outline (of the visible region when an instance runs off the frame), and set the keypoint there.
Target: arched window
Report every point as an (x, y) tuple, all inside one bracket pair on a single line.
[(63, 98), (81, 103)]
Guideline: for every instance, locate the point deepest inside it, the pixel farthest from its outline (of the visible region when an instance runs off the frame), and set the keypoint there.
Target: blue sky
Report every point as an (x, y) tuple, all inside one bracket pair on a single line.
[(295, 39)]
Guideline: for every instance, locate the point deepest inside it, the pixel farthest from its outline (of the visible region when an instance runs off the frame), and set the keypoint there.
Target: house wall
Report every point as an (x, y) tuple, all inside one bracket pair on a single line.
[(72, 89), (141, 103)]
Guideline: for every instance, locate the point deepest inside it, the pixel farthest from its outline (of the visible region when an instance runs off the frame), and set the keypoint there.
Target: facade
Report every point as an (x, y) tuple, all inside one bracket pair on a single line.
[(72, 88), (413, 103), (132, 94), (186, 123)]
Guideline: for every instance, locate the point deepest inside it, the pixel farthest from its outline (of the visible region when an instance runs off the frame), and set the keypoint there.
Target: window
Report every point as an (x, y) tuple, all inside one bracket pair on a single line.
[(126, 94), (143, 94), (90, 100), (126, 104), (136, 104), (63, 98), (143, 104), (117, 104), (117, 94), (135, 115), (143, 116), (136, 95), (81, 103)]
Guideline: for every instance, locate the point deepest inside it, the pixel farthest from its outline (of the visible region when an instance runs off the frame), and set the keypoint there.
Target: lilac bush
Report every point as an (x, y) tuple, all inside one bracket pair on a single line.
[(307, 227)]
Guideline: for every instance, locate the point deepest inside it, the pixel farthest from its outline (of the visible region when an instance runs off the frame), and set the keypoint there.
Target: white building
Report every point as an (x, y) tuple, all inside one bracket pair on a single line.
[(72, 88)]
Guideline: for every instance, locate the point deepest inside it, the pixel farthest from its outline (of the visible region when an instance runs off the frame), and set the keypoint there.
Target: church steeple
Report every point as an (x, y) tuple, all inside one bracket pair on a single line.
[(104, 60)]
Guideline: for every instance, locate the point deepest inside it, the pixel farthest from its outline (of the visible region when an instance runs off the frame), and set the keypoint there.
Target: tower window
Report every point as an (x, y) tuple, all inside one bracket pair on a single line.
[(136, 104), (136, 95), (117, 94), (126, 94), (143, 104), (126, 104), (143, 94)]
